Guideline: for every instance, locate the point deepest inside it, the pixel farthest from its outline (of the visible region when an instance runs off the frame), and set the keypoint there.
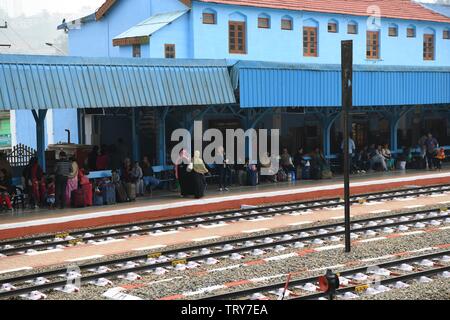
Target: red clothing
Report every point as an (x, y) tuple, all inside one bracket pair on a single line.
[(4, 197), (51, 191), (102, 162)]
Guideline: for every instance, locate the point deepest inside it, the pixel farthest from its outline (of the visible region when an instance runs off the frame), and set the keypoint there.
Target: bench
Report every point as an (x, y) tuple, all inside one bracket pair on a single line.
[(214, 175), (99, 174), (165, 174)]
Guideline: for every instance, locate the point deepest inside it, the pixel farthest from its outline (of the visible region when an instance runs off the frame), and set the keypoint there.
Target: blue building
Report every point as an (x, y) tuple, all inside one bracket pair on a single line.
[(284, 63)]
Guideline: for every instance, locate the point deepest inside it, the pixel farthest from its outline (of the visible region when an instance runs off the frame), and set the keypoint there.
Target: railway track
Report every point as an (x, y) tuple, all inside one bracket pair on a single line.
[(62, 240), (371, 279), (190, 257)]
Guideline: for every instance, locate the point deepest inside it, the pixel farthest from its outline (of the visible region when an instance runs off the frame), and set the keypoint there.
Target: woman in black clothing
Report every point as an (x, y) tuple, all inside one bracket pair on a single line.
[(182, 174), (198, 176)]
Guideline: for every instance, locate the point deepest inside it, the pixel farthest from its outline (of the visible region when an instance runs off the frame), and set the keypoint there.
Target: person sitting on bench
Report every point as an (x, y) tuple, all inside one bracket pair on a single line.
[(150, 182), (5, 187)]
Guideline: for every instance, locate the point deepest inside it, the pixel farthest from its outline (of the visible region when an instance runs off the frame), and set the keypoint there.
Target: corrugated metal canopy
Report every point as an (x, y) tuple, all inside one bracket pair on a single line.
[(52, 82), (265, 84), (151, 25)]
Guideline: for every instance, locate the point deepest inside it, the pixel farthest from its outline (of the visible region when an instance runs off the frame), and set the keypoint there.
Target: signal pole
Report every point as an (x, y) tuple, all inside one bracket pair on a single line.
[(5, 26), (347, 101)]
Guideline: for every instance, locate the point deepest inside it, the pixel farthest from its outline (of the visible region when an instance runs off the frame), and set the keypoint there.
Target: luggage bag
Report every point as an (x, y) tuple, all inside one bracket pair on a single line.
[(121, 193), (88, 194), (109, 194), (78, 198), (131, 191)]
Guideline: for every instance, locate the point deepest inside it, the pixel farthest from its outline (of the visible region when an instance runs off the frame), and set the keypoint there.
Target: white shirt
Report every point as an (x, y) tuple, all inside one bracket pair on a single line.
[(351, 146)]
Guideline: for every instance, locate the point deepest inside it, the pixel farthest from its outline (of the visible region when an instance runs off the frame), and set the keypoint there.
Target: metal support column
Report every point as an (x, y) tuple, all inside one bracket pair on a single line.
[(39, 118), (162, 153), (393, 126), (347, 101), (135, 145), (81, 126)]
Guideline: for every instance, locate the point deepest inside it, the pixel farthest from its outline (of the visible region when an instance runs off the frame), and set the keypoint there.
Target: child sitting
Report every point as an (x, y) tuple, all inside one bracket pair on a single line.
[(5, 186), (439, 158), (51, 192)]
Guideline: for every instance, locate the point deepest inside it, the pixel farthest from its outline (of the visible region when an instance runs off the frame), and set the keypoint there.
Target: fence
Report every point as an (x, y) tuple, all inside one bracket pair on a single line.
[(20, 155)]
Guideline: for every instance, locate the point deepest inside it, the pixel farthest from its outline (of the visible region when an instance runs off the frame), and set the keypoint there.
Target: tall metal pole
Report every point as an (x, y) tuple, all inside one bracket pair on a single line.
[(347, 84)]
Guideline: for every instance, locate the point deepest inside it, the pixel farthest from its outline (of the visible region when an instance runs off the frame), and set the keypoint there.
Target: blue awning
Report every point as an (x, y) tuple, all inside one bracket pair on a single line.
[(52, 82), (265, 84), (151, 25)]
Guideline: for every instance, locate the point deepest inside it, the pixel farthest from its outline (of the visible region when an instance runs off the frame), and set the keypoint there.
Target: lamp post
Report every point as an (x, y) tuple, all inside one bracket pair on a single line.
[(56, 48)]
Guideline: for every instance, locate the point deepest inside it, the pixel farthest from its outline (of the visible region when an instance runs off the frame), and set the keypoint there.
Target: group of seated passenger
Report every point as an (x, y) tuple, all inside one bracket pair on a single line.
[(372, 158)]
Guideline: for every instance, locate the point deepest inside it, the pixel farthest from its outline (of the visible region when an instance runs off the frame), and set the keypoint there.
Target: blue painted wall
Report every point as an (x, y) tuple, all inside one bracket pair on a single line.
[(62, 120), (274, 44), (95, 38), (178, 33), (194, 39)]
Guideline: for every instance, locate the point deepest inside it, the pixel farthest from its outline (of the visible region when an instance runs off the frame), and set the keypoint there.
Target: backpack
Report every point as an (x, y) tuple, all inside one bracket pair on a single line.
[(281, 176)]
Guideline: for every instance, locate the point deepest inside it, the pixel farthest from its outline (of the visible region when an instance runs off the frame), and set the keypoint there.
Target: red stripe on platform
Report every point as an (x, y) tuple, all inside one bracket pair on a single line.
[(395, 235), (443, 246), (174, 297), (203, 208), (236, 283), (305, 252), (255, 262), (133, 286)]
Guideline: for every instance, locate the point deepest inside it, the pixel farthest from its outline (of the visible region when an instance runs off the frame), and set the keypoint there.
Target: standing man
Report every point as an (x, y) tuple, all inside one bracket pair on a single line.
[(351, 150), (423, 150), (224, 170), (62, 171), (431, 146)]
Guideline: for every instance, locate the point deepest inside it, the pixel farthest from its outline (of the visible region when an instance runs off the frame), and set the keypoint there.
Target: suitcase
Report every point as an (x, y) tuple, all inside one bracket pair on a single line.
[(252, 178), (78, 198), (306, 173), (281, 176), (299, 173), (316, 173), (131, 191), (98, 199), (89, 196), (327, 174), (109, 194), (121, 193)]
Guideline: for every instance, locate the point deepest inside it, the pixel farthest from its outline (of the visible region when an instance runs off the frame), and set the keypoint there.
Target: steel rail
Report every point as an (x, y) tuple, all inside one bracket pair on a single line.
[(309, 205), (219, 253)]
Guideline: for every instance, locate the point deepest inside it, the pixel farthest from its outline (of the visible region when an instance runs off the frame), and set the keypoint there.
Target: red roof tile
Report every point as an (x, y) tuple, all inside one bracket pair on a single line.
[(399, 9)]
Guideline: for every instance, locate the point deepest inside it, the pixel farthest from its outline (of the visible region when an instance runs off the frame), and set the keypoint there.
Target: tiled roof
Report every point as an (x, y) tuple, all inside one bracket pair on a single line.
[(439, 8), (399, 9)]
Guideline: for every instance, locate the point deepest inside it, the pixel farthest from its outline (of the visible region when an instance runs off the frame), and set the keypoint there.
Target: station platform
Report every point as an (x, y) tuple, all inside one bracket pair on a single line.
[(20, 224)]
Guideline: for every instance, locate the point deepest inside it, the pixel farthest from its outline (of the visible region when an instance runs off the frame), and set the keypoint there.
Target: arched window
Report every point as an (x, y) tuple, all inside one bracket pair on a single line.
[(237, 16), (287, 23), (352, 27), (264, 21), (237, 33), (310, 38), (411, 31), (333, 26), (209, 16), (393, 30)]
